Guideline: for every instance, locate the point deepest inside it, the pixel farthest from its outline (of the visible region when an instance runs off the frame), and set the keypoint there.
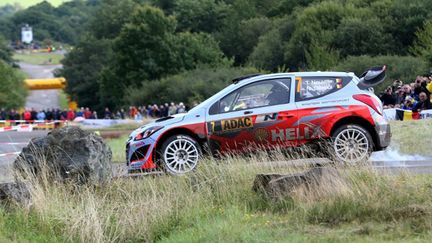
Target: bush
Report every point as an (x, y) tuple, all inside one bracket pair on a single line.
[(12, 91), (190, 86), (405, 68)]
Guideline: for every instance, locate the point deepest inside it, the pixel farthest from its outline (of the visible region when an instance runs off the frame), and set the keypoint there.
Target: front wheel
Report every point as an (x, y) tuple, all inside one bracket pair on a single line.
[(352, 144), (180, 154)]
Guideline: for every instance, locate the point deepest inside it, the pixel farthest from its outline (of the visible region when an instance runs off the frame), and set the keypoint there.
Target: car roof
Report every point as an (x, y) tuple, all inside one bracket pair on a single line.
[(304, 74)]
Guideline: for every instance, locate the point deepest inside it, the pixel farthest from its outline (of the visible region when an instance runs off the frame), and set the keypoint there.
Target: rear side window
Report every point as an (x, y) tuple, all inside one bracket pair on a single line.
[(314, 87)]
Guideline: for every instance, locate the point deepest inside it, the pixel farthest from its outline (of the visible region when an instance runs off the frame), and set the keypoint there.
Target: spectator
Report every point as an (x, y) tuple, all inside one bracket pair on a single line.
[(107, 113), (397, 84), (41, 115), (400, 98), (166, 110), (70, 115), (408, 103), (122, 113), (172, 109), (2, 114), (80, 113), (94, 115), (181, 108), (155, 111), (388, 97), (49, 114), (27, 115), (423, 103), (162, 111), (12, 114), (63, 115), (57, 114), (87, 113), (33, 114)]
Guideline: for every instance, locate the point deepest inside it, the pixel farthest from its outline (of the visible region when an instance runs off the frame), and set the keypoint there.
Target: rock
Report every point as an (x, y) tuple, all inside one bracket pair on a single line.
[(15, 192), (277, 186), (66, 154)]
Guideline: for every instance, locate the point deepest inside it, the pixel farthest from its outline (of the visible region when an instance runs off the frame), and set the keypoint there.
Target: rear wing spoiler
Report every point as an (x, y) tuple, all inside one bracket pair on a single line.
[(372, 77)]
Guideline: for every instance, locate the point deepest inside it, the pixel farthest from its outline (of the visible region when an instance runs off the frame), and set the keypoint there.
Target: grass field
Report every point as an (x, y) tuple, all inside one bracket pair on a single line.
[(63, 100), (216, 204), (28, 3), (39, 58)]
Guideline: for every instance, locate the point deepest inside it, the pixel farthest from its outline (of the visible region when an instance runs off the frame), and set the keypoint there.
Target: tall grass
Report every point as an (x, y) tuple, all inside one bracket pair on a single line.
[(219, 193)]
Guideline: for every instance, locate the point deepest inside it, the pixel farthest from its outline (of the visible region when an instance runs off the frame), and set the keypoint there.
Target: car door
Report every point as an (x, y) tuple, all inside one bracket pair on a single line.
[(259, 114)]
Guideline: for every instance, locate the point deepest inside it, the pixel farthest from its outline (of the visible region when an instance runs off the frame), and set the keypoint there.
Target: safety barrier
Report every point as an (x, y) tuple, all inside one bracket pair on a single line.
[(29, 125), (9, 154), (403, 115)]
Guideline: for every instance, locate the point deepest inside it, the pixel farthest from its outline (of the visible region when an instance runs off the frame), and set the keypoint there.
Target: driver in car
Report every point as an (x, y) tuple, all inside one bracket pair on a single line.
[(278, 95)]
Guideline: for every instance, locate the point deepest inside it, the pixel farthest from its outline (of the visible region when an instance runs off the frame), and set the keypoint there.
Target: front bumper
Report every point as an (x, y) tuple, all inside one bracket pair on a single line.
[(139, 155), (383, 132)]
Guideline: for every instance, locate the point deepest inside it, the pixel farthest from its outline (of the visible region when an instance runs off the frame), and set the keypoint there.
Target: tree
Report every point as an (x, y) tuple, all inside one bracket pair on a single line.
[(423, 44), (321, 58), (192, 86), (199, 15), (5, 51), (405, 68), (12, 91), (82, 69), (110, 17)]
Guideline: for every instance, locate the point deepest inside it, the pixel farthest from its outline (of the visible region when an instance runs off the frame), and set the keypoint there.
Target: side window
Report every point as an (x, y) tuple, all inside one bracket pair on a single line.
[(260, 94), (314, 87)]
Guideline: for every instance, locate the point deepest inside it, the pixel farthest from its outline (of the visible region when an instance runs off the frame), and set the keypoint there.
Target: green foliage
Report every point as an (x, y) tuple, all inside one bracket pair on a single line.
[(405, 68), (199, 15), (321, 58), (62, 24), (5, 51), (82, 68), (423, 45), (191, 86), (12, 91), (19, 226), (139, 41), (148, 48), (109, 18)]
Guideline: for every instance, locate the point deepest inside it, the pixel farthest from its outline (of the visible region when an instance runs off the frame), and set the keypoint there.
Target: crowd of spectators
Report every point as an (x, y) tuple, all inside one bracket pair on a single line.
[(415, 96), (136, 113)]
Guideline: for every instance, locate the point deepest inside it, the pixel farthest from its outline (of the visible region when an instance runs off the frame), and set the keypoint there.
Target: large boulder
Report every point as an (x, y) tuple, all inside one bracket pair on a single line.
[(15, 193), (66, 154), (279, 186)]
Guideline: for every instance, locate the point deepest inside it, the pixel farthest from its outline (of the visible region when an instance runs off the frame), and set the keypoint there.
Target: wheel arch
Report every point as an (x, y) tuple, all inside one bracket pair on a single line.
[(355, 120), (177, 131)]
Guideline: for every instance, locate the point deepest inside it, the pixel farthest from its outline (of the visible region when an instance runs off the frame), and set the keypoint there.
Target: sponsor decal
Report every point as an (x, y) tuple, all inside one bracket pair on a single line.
[(266, 118), (290, 134), (261, 134), (231, 124)]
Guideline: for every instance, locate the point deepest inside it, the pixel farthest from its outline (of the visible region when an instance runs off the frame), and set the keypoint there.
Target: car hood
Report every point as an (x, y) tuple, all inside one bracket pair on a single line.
[(165, 121)]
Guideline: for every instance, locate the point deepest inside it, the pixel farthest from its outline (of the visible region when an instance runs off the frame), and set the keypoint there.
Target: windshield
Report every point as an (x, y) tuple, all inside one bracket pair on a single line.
[(209, 101)]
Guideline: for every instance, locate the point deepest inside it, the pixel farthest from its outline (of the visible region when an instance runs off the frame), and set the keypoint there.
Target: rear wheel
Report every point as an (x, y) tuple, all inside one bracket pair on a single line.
[(352, 144), (180, 154)]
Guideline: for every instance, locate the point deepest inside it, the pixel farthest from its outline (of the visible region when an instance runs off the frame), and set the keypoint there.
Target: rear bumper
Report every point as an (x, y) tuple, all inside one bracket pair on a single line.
[(383, 136)]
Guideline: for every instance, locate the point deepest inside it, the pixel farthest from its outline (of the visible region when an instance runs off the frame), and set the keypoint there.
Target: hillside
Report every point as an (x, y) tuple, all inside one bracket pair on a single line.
[(28, 3)]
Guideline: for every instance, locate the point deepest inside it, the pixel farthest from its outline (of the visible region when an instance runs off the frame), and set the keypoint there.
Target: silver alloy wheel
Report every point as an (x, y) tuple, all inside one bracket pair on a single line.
[(351, 145), (181, 156)]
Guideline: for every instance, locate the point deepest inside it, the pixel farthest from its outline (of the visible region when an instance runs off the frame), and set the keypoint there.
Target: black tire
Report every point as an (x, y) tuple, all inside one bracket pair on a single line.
[(351, 144), (182, 160)]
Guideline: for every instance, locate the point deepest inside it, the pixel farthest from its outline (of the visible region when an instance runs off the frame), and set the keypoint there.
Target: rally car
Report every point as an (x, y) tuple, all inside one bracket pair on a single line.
[(268, 111)]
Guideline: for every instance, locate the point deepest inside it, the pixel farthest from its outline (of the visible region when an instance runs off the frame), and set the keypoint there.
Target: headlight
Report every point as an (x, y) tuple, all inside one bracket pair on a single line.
[(147, 133)]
